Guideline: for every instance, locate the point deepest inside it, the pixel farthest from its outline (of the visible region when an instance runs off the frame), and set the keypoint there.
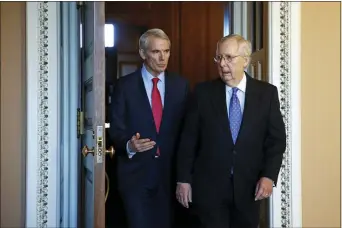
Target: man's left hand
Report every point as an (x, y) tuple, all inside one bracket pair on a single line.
[(264, 188)]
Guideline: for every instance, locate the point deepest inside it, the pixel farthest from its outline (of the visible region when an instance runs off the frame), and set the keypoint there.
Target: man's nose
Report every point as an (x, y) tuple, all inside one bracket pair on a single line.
[(222, 63)]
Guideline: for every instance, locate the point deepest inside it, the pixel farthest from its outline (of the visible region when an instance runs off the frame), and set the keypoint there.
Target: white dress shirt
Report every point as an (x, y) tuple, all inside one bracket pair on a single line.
[(241, 93)]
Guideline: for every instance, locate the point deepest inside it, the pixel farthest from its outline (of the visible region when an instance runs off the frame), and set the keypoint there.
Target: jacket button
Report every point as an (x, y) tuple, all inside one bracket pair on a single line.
[(234, 152)]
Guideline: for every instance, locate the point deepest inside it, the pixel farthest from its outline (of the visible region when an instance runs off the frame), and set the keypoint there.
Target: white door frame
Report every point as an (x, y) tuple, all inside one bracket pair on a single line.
[(284, 68), (70, 150), (52, 100), (43, 114), (46, 200), (284, 63)]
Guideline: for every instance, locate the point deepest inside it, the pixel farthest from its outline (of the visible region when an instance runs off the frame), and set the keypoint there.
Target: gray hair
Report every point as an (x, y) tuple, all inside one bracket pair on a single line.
[(242, 42), (158, 33)]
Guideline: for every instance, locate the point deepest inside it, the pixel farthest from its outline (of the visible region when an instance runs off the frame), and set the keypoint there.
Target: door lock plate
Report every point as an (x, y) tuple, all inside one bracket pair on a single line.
[(99, 144)]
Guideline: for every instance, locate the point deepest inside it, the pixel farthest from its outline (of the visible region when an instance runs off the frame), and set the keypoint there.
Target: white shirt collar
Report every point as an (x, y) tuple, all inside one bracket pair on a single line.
[(242, 85), (148, 77)]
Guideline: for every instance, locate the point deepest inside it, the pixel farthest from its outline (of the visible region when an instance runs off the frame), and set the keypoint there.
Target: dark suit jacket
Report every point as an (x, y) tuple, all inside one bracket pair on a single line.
[(207, 152), (131, 113)]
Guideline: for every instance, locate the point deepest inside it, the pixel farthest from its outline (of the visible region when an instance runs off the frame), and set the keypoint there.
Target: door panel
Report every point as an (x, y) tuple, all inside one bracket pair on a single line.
[(92, 20), (258, 34)]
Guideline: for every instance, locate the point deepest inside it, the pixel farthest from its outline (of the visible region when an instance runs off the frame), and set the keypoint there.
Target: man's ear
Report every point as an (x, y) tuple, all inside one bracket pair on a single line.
[(142, 54), (247, 62)]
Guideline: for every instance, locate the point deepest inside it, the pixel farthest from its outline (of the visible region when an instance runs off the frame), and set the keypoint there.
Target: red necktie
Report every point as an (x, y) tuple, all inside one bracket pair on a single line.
[(157, 107)]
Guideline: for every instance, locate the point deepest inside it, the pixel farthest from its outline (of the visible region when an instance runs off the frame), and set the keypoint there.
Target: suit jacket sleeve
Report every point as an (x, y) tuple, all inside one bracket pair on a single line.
[(275, 143), (188, 140), (118, 129)]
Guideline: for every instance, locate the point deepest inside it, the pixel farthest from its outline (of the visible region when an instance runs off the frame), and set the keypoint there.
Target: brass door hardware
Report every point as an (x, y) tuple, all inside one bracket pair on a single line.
[(86, 151), (111, 151), (80, 123)]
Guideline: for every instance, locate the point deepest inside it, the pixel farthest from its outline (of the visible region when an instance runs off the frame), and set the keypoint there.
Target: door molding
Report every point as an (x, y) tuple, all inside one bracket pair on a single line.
[(284, 68), (43, 136), (240, 18), (284, 72), (70, 150), (43, 105)]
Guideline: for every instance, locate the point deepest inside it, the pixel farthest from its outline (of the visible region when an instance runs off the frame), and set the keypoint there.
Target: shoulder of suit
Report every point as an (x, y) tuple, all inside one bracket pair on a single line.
[(208, 84), (217, 82), (177, 77), (129, 77), (262, 84)]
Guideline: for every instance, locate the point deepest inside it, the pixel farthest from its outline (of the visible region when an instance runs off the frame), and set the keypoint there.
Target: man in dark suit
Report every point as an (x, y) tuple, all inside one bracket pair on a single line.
[(233, 142), (146, 115)]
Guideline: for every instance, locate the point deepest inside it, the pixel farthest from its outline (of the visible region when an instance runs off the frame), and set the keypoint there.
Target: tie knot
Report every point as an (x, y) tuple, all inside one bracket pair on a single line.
[(235, 90), (155, 81)]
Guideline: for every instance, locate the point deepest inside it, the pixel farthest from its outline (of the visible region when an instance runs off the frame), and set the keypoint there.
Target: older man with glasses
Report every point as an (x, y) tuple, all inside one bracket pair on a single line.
[(232, 145)]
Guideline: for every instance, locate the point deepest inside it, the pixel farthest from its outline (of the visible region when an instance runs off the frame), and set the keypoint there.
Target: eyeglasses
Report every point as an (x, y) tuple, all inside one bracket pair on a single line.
[(226, 58)]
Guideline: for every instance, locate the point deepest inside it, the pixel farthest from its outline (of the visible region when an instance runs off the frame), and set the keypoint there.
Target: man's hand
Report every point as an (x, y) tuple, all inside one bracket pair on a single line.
[(140, 145), (264, 188), (184, 194)]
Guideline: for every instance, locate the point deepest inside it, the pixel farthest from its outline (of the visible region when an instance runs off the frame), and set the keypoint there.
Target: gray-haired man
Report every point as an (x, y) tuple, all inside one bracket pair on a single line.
[(146, 116)]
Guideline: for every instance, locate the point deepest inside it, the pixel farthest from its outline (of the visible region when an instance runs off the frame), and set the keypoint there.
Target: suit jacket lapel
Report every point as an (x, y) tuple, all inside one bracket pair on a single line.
[(220, 105), (142, 100), (169, 93), (251, 103)]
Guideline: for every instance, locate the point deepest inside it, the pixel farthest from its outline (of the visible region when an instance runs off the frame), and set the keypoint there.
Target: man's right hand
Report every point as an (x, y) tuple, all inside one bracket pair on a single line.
[(136, 144), (184, 194)]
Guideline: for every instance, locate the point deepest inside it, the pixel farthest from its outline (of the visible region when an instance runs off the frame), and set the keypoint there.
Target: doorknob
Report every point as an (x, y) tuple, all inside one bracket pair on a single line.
[(86, 151), (111, 151)]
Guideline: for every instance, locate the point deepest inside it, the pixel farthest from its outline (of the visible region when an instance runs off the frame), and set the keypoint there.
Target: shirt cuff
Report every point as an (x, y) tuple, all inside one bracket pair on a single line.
[(129, 153)]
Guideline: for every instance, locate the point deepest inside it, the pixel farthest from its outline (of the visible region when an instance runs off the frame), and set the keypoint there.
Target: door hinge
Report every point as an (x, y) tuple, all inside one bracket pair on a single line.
[(80, 123)]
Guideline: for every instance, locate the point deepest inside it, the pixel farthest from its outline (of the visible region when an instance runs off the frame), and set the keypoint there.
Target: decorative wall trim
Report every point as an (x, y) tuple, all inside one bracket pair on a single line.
[(42, 114), (284, 53), (285, 99)]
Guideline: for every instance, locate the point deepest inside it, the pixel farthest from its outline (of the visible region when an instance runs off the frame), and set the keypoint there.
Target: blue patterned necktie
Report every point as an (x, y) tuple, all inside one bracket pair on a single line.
[(235, 115)]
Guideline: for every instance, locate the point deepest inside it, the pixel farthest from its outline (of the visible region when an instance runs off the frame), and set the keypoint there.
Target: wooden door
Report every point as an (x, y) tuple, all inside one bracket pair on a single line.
[(92, 114)]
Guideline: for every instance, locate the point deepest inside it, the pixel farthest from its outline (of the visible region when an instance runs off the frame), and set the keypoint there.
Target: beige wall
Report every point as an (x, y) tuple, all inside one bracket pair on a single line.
[(12, 142), (321, 62)]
